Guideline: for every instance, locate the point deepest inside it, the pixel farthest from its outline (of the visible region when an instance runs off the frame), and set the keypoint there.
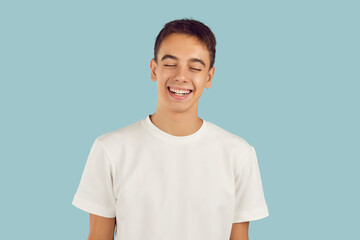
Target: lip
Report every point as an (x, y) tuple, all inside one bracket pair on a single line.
[(180, 88), (179, 97)]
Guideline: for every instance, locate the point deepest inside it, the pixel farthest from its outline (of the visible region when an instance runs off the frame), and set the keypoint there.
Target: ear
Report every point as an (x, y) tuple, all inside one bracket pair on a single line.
[(153, 67), (210, 77)]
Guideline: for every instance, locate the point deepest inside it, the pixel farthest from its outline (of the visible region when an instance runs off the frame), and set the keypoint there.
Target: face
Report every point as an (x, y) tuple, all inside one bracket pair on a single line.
[(182, 63)]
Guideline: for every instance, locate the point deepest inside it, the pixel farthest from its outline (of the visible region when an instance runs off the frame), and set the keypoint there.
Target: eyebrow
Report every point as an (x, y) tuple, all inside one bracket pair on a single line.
[(168, 56), (197, 60), (175, 58)]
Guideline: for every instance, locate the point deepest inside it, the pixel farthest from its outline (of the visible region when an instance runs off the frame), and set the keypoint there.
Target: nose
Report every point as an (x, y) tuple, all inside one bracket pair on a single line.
[(181, 74)]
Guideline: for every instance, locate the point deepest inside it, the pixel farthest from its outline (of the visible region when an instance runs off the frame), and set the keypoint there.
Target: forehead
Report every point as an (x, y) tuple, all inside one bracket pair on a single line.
[(184, 47)]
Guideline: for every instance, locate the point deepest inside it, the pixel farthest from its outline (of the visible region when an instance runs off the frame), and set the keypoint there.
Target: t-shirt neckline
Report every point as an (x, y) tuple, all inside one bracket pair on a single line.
[(168, 137)]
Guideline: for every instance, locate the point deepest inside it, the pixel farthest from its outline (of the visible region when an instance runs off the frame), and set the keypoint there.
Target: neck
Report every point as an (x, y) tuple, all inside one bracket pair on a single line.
[(176, 123)]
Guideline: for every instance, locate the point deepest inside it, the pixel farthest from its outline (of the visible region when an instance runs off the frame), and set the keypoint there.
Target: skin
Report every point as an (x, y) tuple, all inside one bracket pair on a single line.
[(180, 117), (101, 228), (182, 61), (240, 231)]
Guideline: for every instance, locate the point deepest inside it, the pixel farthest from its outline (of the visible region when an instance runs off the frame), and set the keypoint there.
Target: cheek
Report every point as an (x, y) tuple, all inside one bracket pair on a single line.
[(200, 81), (162, 79), (166, 73)]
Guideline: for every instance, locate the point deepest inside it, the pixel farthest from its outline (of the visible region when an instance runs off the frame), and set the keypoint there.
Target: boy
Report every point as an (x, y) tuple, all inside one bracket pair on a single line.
[(173, 175)]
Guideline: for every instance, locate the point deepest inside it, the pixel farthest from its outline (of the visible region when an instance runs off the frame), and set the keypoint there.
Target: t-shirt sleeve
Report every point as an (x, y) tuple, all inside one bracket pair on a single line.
[(250, 202), (95, 192)]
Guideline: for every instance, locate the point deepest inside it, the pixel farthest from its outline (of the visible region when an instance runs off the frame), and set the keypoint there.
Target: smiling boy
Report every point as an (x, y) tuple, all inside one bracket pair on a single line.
[(182, 64), (173, 175)]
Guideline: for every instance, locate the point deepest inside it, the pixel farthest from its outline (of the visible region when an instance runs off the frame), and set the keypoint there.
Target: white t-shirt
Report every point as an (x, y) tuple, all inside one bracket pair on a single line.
[(160, 186)]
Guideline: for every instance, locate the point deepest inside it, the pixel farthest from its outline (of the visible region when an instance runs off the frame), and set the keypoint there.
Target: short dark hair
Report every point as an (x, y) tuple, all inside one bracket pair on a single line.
[(189, 27)]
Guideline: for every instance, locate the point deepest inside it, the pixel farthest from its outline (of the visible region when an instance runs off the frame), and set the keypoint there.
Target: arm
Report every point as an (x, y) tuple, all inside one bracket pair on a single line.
[(239, 231), (101, 228)]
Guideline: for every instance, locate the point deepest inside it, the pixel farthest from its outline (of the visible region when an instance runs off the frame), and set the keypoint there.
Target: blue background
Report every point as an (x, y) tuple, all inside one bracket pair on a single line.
[(286, 80)]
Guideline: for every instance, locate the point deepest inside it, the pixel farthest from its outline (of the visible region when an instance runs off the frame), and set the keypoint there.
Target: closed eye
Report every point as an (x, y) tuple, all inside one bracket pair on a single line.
[(196, 69), (168, 65)]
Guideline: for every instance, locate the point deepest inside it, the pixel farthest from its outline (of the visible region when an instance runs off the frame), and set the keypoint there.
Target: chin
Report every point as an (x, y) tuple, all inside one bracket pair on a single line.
[(178, 110)]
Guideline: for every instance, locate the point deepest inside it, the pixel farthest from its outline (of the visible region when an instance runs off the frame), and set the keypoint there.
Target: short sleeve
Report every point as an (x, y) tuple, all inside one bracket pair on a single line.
[(95, 192), (250, 202)]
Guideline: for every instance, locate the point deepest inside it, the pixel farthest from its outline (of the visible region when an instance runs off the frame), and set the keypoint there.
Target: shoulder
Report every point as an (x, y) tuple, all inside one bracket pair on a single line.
[(228, 139), (239, 151), (120, 136), (234, 147)]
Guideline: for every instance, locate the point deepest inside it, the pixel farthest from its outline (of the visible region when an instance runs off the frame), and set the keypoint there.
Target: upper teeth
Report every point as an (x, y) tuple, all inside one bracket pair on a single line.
[(179, 91)]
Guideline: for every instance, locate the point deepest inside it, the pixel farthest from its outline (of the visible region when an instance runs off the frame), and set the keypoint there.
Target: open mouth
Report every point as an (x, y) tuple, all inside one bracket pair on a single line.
[(180, 93)]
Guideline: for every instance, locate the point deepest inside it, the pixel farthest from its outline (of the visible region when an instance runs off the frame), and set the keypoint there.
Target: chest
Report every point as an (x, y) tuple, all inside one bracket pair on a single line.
[(179, 177)]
